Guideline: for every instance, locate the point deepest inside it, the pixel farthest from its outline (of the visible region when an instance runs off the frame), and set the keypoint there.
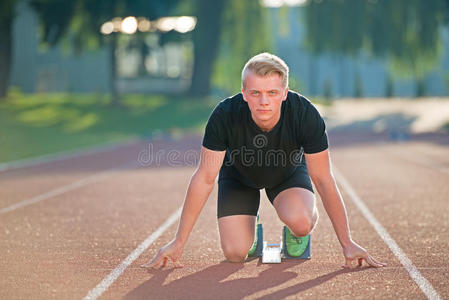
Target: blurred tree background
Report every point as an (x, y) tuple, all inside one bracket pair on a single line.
[(246, 32), (80, 22), (404, 32), (6, 21), (164, 64)]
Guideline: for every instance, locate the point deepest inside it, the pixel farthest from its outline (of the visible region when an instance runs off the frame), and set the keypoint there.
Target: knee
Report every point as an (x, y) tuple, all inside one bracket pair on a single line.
[(235, 254), (302, 228), (300, 224)]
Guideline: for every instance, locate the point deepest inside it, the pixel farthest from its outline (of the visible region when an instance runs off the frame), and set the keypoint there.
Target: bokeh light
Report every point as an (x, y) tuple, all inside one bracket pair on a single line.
[(117, 22), (166, 24), (143, 24), (185, 24), (279, 3), (107, 28), (129, 25)]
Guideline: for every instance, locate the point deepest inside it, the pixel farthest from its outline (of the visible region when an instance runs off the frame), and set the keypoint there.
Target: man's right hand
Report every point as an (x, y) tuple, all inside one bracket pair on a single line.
[(172, 251)]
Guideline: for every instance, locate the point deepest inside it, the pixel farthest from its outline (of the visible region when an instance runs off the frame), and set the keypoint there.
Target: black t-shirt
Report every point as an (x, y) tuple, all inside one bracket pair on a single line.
[(264, 159)]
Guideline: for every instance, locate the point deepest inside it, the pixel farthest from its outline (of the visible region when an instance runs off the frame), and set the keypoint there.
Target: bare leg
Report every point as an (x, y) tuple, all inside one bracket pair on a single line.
[(297, 210), (236, 236)]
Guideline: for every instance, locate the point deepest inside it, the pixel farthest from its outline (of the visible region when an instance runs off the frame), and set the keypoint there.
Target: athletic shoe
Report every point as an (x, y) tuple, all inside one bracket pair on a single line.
[(295, 245), (254, 246)]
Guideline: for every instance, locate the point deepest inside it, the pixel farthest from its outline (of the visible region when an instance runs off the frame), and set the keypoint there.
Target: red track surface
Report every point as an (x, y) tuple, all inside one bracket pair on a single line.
[(64, 245)]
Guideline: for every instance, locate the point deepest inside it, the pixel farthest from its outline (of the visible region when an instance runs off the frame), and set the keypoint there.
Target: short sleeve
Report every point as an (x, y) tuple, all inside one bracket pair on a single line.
[(215, 132), (314, 131)]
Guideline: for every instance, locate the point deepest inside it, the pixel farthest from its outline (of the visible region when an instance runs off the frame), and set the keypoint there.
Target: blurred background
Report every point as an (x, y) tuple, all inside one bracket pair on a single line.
[(78, 73)]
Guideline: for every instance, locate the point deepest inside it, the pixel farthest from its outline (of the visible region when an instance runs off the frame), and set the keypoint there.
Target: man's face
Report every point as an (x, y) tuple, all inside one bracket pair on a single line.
[(264, 95)]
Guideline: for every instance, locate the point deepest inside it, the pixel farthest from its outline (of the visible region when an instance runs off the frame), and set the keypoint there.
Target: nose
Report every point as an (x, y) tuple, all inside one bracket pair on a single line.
[(264, 100)]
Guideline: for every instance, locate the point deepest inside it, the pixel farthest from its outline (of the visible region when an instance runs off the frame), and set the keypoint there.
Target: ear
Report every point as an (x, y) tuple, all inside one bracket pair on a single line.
[(285, 93), (243, 93)]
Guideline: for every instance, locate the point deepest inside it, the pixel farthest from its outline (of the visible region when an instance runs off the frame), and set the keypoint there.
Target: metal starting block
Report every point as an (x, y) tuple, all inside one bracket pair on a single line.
[(271, 253)]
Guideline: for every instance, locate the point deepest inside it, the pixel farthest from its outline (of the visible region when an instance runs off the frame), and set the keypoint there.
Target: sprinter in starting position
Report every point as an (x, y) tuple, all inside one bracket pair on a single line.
[(265, 137)]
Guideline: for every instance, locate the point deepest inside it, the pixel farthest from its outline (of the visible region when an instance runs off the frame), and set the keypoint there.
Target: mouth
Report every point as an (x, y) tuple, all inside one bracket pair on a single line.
[(263, 110)]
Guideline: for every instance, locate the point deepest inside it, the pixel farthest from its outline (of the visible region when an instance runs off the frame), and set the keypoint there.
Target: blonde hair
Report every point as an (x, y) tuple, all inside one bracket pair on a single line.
[(266, 64)]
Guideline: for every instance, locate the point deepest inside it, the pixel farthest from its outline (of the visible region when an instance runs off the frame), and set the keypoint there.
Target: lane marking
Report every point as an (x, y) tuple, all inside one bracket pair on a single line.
[(109, 280), (63, 155), (414, 273), (67, 188)]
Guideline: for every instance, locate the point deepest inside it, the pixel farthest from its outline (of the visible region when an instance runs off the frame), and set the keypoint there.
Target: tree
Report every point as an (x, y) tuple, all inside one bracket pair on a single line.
[(206, 38), (228, 33), (79, 21), (328, 30), (6, 19), (245, 33), (405, 32), (57, 23), (415, 43)]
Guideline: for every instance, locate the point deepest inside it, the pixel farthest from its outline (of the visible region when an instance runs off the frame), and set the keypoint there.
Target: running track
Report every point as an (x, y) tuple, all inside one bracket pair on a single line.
[(81, 227)]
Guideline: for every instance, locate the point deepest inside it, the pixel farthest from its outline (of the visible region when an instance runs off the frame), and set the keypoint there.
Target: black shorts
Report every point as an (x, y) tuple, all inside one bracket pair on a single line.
[(235, 198)]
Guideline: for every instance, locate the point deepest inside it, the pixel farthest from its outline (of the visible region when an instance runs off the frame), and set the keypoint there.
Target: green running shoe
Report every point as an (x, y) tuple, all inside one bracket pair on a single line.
[(295, 245), (254, 246)]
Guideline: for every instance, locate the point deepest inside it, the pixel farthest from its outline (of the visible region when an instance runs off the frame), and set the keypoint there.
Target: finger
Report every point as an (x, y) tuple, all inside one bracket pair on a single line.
[(164, 262), (160, 264), (152, 263), (349, 263), (372, 263), (378, 262), (360, 261), (176, 262)]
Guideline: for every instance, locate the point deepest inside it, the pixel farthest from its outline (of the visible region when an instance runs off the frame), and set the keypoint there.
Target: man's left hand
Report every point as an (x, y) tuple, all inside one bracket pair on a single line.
[(355, 253)]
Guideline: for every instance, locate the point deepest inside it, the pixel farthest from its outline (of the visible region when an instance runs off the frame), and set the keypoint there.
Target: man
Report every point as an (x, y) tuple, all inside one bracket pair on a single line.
[(254, 140)]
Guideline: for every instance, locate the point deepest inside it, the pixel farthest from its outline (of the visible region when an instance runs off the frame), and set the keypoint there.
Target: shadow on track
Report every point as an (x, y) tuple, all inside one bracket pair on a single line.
[(211, 283), (303, 286)]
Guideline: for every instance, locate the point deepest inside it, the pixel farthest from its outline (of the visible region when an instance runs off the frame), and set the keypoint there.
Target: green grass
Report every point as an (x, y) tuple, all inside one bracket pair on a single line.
[(38, 124)]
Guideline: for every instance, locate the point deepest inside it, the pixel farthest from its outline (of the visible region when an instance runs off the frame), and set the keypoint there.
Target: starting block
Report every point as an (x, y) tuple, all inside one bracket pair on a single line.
[(271, 253)]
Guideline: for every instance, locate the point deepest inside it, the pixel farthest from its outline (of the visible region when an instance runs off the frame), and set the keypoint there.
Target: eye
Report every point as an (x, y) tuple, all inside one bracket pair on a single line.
[(272, 92), (255, 93)]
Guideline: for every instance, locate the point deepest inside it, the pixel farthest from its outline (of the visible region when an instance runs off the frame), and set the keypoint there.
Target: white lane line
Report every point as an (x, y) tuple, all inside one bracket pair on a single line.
[(109, 280), (63, 155), (66, 188), (414, 273)]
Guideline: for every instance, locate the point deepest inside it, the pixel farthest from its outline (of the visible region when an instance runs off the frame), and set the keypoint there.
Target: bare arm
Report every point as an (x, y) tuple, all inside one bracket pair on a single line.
[(200, 187), (319, 167), (198, 192)]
